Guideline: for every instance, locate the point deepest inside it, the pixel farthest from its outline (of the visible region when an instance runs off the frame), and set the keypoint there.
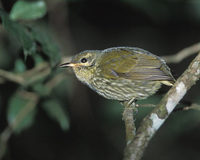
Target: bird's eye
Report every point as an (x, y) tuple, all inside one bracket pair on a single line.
[(83, 60)]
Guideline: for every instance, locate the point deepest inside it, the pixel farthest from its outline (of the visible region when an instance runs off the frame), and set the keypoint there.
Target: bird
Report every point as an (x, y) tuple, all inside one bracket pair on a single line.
[(125, 74)]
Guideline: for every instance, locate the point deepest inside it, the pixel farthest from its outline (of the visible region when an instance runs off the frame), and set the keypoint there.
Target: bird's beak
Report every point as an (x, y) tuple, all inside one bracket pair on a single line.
[(64, 65)]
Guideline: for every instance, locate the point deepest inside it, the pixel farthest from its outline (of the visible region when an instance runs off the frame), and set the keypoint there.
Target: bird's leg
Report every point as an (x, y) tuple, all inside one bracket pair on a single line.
[(128, 117)]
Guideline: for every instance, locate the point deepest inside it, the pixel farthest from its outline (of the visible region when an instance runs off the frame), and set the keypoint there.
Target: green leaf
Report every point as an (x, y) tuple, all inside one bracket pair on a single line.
[(20, 67), (20, 33), (28, 39), (25, 10), (41, 89), (48, 45), (37, 59), (56, 112), (21, 113)]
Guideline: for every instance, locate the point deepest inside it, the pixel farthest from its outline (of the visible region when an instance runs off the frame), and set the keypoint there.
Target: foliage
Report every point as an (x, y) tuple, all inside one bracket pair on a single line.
[(39, 47), (20, 114), (35, 95), (20, 32), (24, 10), (55, 110)]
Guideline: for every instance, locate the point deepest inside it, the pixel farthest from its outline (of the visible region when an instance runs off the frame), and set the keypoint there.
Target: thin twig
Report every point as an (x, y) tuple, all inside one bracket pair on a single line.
[(4, 137), (28, 77), (146, 105), (153, 121), (186, 52), (33, 100), (194, 106), (11, 77), (54, 81), (37, 73)]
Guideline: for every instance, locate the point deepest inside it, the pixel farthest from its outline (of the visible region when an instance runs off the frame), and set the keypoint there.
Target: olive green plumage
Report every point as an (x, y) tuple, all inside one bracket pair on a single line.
[(121, 73)]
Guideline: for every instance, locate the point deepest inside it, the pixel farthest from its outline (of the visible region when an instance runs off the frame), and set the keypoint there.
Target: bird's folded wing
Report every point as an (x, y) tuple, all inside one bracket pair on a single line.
[(134, 66)]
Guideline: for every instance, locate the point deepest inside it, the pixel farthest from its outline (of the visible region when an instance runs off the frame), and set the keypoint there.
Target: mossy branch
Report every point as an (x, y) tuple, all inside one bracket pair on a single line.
[(153, 121)]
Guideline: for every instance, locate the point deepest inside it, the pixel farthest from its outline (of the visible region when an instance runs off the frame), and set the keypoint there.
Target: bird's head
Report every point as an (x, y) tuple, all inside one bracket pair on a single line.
[(84, 64)]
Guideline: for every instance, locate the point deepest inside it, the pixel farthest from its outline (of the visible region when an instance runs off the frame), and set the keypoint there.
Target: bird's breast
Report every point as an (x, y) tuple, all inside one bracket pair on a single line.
[(123, 89)]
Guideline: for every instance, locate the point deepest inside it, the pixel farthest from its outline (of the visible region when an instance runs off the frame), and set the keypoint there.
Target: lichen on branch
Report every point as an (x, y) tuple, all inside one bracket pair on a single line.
[(152, 122)]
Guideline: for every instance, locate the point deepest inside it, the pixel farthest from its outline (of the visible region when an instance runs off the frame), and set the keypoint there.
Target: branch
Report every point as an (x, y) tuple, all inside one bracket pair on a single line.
[(27, 77), (194, 106), (31, 76), (11, 77), (186, 52), (37, 73), (152, 122), (129, 121), (33, 100), (55, 81), (146, 105)]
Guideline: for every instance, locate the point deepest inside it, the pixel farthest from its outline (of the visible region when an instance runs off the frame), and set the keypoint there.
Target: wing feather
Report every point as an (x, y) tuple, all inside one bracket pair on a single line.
[(134, 65)]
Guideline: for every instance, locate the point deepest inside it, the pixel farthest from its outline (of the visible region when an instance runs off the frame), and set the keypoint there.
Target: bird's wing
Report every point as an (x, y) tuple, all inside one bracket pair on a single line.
[(132, 65)]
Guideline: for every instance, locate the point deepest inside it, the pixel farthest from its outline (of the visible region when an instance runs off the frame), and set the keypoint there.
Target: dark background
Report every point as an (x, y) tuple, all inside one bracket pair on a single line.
[(96, 131)]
